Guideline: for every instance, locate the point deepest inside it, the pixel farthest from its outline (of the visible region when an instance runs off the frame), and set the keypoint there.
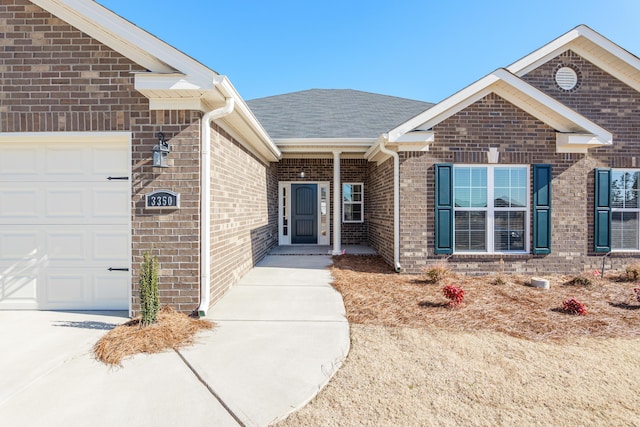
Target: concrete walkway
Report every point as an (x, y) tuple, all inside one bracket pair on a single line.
[(281, 334)]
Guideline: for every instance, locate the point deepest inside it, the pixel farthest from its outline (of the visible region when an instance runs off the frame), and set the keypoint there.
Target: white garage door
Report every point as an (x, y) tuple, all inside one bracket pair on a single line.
[(65, 235)]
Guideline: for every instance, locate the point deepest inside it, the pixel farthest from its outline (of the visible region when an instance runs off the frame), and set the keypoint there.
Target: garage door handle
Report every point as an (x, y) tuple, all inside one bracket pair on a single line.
[(118, 269), (118, 178)]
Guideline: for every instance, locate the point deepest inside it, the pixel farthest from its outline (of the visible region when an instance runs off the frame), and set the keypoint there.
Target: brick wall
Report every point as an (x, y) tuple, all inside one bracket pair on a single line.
[(57, 79), (244, 215), (379, 217), (522, 139)]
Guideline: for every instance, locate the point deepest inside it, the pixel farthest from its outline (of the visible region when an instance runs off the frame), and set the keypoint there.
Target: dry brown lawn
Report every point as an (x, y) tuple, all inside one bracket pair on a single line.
[(508, 356)]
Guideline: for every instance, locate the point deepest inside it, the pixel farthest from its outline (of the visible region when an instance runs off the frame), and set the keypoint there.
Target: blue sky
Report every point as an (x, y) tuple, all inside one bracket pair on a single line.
[(424, 50)]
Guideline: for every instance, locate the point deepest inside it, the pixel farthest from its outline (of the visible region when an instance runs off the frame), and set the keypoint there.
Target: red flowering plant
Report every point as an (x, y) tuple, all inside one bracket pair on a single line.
[(573, 306), (454, 294)]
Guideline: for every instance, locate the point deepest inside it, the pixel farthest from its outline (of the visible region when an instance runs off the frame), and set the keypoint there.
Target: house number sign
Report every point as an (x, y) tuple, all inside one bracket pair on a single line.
[(162, 199)]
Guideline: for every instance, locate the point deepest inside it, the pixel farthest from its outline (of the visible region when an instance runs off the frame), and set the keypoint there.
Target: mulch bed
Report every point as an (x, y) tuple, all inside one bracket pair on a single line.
[(173, 330), (373, 294)]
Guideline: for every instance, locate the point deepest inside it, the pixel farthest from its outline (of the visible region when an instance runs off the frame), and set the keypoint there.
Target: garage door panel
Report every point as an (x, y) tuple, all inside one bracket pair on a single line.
[(112, 289), (19, 245), (18, 202), (18, 290), (111, 247), (109, 161), (66, 203), (64, 289), (65, 161), (110, 202), (66, 246), (19, 161)]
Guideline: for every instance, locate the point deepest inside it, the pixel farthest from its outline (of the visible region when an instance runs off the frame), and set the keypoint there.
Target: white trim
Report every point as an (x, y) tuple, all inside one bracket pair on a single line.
[(324, 145), (337, 224)]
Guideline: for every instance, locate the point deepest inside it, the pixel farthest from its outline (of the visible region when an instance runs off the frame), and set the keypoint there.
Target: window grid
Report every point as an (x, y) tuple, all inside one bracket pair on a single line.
[(352, 202)]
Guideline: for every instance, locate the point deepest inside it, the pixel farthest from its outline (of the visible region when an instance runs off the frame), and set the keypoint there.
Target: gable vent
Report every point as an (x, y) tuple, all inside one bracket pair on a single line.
[(566, 78)]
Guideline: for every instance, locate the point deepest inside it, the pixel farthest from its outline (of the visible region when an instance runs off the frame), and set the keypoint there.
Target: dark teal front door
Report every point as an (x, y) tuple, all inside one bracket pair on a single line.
[(304, 213)]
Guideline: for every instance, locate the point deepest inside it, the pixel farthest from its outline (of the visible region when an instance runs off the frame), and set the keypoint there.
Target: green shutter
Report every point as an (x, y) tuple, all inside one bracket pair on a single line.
[(444, 209), (542, 178), (602, 214)]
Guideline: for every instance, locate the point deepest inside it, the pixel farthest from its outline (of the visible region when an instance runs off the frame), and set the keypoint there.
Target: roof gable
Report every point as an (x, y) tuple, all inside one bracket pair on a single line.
[(174, 80), (576, 133), (593, 47)]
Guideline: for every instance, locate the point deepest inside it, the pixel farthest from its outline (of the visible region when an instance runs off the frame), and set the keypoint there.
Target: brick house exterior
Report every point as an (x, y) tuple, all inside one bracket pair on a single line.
[(58, 79), (520, 170)]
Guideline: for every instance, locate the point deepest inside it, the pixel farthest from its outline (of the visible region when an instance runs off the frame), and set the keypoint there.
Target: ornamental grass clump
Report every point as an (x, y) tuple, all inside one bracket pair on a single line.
[(633, 272), (437, 273), (454, 294), (573, 306), (149, 296)]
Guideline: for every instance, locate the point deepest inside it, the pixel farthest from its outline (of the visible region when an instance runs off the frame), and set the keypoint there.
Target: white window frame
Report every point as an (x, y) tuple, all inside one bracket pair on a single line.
[(490, 211), (613, 210), (361, 203)]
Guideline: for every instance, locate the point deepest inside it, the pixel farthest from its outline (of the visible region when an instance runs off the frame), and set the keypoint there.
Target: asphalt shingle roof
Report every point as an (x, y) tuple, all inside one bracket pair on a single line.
[(333, 113)]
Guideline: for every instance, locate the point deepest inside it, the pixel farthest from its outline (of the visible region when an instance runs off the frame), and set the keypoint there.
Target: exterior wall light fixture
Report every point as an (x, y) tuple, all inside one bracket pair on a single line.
[(161, 152)]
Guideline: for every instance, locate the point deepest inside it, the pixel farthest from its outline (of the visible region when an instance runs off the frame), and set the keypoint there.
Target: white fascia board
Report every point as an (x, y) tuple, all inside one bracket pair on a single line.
[(578, 143), (324, 145), (126, 38), (195, 103), (169, 81), (543, 54), (418, 136)]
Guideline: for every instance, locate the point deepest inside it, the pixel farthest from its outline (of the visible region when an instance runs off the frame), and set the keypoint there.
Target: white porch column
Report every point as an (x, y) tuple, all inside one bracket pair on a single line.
[(337, 204)]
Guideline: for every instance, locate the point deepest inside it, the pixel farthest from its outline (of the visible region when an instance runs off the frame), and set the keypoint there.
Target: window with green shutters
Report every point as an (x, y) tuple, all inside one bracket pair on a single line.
[(486, 209)]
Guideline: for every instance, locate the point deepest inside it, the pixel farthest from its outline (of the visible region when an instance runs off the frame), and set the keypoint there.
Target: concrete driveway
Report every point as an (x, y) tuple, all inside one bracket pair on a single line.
[(281, 334)]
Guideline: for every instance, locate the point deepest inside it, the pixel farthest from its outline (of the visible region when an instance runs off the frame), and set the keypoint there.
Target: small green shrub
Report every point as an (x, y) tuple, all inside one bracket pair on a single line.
[(633, 272), (436, 273), (149, 296)]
